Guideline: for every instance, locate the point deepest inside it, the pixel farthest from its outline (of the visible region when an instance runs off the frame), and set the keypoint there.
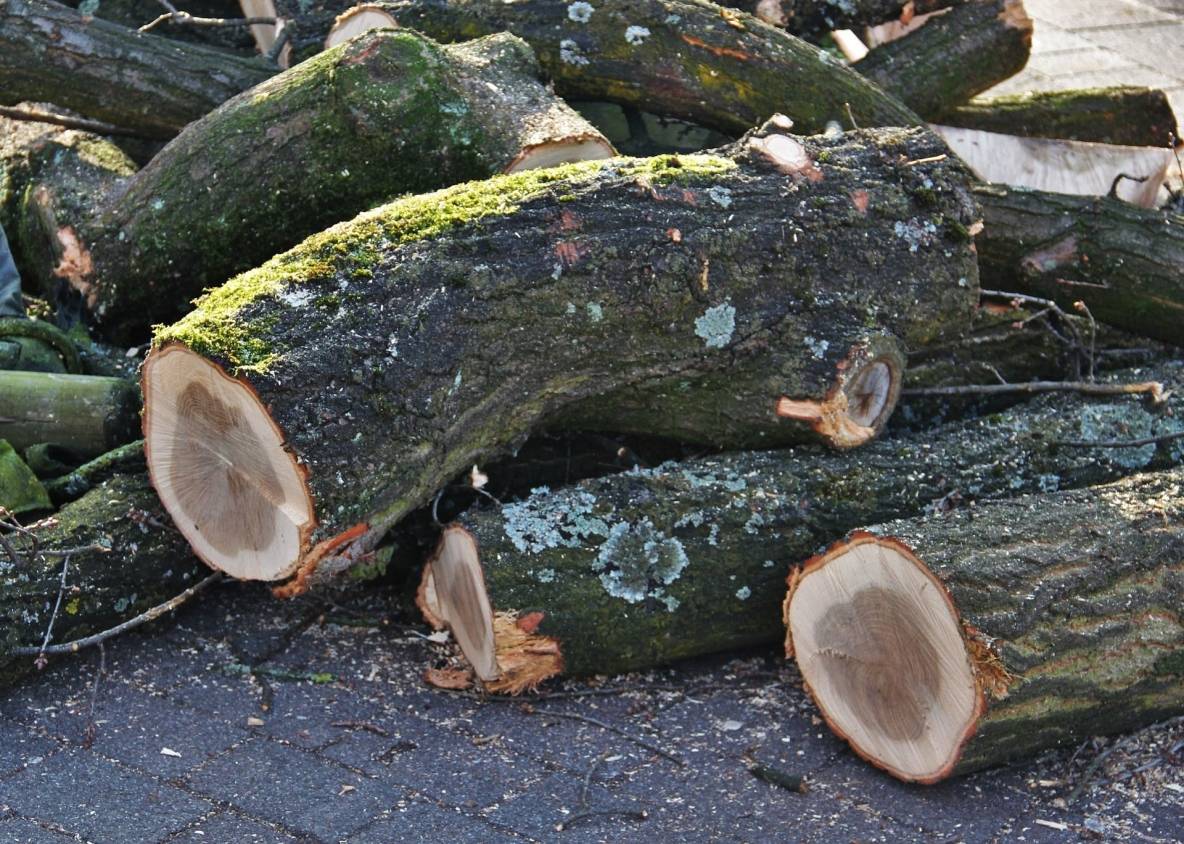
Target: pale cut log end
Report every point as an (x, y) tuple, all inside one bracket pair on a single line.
[(884, 655), (561, 151), (265, 34), (504, 649), (861, 401), (218, 463), (355, 21)]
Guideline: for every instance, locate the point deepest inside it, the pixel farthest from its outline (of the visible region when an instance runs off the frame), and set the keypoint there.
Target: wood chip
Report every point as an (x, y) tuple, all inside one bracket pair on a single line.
[(346, 789), (1053, 825), (168, 751), (255, 722), (448, 678)]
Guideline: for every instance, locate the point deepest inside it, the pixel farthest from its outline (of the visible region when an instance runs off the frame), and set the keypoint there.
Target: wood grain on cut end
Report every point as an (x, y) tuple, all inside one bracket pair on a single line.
[(218, 463), (356, 21), (882, 651), (558, 151), (453, 591)]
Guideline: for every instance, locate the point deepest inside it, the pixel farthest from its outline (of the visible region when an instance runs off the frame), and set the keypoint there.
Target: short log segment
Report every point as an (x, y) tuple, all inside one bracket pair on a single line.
[(1125, 263), (461, 319), (954, 56), (1140, 117), (88, 414), (943, 645), (52, 53), (680, 58), (147, 562), (388, 114), (639, 569)]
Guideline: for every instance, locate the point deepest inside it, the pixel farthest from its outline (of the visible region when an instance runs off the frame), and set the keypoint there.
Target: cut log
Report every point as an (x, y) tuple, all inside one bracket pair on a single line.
[(1141, 117), (639, 569), (1125, 263), (125, 460), (156, 86), (814, 19), (954, 56), (391, 113), (1133, 174), (463, 318), (942, 645), (680, 58), (87, 414), (147, 562), (20, 491)]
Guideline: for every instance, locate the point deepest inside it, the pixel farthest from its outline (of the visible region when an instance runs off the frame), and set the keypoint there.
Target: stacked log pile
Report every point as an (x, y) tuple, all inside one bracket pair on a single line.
[(463, 263)]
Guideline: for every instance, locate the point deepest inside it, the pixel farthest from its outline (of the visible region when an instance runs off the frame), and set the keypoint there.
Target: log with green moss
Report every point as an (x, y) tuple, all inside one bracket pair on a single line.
[(639, 569), (124, 557), (341, 384), (126, 460), (954, 56), (1119, 115), (680, 58), (388, 114), (88, 414), (942, 645), (1125, 263), (155, 86)]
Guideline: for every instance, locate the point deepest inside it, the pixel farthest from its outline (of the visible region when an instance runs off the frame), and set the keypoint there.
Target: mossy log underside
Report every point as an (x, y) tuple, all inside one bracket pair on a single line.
[(639, 569), (387, 114), (1067, 608), (460, 320), (679, 58), (52, 53), (1125, 263)]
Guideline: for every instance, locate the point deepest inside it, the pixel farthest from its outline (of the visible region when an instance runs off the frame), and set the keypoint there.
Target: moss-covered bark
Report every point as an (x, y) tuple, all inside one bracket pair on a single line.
[(87, 414), (148, 562), (459, 320), (642, 568), (954, 56), (126, 460), (388, 114), (815, 19), (1120, 115), (1076, 598), (681, 58), (1125, 263), (51, 53)]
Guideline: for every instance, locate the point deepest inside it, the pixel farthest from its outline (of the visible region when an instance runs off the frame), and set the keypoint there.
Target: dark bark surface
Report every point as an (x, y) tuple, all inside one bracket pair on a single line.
[(51, 53), (1125, 263), (460, 320), (815, 19), (954, 56), (638, 569)]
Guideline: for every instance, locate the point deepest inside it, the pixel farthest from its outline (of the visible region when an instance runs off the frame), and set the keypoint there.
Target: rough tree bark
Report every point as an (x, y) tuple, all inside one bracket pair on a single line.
[(390, 113), (87, 414), (1063, 610), (681, 58), (156, 86), (1125, 263), (461, 319), (638, 569), (953, 56), (1120, 115)]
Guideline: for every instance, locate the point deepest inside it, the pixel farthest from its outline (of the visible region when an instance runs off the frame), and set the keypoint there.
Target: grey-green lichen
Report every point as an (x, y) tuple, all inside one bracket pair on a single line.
[(717, 325), (637, 559)]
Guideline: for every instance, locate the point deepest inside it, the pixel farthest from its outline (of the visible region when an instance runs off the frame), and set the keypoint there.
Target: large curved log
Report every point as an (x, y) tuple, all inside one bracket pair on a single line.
[(461, 319)]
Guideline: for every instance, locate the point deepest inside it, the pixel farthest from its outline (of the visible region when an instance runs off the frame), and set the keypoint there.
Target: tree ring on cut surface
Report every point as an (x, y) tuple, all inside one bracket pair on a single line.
[(218, 463)]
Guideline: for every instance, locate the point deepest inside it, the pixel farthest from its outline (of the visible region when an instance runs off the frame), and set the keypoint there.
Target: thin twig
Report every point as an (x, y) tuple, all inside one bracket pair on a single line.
[(91, 726), (1175, 435), (186, 19), (1154, 388), (31, 115), (604, 725), (586, 812), (130, 624), (41, 661), (1093, 334)]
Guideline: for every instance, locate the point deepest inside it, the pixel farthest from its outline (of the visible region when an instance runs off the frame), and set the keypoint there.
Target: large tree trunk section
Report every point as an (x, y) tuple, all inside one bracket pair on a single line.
[(461, 319), (815, 19), (148, 562), (156, 86), (87, 414), (1140, 117), (1125, 263), (391, 113), (953, 56), (638, 569), (942, 645), (681, 58)]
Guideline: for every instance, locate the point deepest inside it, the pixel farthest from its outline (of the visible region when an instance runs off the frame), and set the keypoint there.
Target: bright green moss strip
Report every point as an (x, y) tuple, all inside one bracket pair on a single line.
[(214, 329)]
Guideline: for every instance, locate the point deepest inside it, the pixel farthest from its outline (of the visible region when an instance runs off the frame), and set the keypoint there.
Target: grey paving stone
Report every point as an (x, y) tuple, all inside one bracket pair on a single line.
[(26, 831), (1086, 60), (415, 820), (19, 749), (1158, 46), (226, 827), (1049, 38), (99, 799), (293, 788), (1090, 14)]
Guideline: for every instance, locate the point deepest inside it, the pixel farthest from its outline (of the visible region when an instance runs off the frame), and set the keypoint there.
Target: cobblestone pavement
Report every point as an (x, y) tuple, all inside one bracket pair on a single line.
[(332, 736)]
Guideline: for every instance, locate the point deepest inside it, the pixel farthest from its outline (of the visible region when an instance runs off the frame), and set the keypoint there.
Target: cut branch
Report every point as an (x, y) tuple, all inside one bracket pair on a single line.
[(87, 414)]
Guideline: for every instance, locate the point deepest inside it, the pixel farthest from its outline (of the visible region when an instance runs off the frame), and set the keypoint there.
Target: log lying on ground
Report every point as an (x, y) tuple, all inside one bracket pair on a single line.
[(1140, 117), (390, 113), (681, 58), (1125, 263), (51, 53), (87, 414), (954, 56), (815, 19), (459, 320), (126, 460), (943, 645), (148, 561), (639, 569)]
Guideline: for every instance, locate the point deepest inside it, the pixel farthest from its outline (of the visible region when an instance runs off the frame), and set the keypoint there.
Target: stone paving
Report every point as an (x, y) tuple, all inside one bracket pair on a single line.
[(244, 719)]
